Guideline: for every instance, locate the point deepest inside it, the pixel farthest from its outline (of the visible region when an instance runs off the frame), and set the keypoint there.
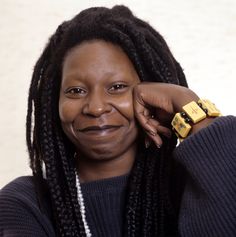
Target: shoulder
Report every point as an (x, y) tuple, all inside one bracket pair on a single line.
[(20, 211), (23, 182), (19, 187), (19, 190)]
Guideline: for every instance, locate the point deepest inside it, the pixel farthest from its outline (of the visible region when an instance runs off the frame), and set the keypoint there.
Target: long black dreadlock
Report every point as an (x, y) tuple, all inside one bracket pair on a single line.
[(149, 207)]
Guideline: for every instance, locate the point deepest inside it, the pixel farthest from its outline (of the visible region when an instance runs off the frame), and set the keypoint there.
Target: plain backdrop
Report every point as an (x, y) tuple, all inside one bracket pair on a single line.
[(200, 33)]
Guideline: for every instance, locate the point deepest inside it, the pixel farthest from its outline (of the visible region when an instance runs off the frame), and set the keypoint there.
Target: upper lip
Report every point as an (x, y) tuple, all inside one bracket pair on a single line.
[(97, 128)]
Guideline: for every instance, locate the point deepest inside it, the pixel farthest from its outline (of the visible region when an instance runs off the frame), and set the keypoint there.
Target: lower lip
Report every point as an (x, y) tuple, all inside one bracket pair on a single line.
[(101, 133)]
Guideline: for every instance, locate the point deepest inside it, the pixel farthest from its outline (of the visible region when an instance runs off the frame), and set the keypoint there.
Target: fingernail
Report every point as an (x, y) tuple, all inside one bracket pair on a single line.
[(158, 146), (147, 144), (152, 133)]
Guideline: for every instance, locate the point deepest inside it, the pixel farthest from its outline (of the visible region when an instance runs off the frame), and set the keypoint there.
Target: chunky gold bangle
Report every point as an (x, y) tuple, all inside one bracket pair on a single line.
[(193, 112)]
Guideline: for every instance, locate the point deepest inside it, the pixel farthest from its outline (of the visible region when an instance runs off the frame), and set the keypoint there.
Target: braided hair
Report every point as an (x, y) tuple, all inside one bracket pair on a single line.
[(149, 208)]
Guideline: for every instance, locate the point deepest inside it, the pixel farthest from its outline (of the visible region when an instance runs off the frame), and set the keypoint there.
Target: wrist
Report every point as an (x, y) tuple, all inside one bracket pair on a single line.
[(202, 124), (183, 97), (194, 117)]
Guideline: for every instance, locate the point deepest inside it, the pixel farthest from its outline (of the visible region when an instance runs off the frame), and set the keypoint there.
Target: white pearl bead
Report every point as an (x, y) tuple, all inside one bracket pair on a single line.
[(82, 206)]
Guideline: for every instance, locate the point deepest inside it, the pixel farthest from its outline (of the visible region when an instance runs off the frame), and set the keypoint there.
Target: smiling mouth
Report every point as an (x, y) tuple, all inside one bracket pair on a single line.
[(99, 129)]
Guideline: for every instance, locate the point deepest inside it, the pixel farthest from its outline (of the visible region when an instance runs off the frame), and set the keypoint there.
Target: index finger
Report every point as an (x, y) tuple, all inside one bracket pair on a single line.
[(142, 113)]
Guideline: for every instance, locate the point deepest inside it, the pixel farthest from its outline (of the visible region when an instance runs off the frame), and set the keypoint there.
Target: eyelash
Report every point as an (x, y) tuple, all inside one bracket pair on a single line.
[(118, 87), (75, 91)]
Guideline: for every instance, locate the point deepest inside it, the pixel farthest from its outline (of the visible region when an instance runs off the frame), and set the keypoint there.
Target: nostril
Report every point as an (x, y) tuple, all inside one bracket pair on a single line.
[(95, 109)]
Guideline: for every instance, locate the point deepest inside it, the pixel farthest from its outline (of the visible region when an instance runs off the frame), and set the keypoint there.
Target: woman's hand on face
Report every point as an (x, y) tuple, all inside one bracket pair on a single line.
[(155, 104)]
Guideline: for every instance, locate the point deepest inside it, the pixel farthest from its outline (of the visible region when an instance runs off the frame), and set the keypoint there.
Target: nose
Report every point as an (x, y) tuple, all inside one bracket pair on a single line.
[(96, 105)]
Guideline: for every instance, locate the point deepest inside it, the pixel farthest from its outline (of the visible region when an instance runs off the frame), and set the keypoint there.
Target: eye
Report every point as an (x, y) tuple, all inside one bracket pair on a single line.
[(75, 92), (119, 87)]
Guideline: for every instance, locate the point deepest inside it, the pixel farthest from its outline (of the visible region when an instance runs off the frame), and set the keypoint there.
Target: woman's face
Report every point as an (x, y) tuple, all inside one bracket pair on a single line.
[(96, 105)]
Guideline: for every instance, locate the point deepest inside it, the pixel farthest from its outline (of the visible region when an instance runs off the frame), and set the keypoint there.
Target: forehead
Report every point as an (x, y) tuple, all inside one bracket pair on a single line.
[(97, 56), (95, 46)]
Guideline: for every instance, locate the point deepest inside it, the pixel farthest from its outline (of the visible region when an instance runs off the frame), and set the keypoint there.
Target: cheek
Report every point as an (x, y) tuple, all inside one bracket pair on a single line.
[(125, 106), (67, 111)]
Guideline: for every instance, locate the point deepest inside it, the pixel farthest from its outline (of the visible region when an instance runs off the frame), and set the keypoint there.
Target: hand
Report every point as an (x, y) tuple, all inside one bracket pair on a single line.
[(155, 104)]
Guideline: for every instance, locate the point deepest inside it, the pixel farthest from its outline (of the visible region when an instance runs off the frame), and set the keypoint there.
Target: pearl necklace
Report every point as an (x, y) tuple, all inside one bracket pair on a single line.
[(82, 206)]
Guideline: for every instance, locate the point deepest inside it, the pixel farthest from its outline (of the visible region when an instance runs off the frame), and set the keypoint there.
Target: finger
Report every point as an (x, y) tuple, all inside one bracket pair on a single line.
[(142, 115), (156, 139), (160, 129), (146, 112)]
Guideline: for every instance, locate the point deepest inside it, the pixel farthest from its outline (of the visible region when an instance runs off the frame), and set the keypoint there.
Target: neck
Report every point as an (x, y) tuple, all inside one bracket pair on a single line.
[(91, 170)]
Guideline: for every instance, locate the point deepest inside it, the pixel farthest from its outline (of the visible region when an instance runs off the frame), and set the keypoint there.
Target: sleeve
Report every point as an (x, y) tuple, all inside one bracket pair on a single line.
[(20, 215), (208, 205)]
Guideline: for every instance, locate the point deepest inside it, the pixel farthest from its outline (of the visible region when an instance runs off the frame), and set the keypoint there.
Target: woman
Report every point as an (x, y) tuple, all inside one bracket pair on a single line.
[(102, 151)]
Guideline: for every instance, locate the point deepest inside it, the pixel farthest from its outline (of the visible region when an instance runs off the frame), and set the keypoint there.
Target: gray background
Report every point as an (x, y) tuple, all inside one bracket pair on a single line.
[(200, 33)]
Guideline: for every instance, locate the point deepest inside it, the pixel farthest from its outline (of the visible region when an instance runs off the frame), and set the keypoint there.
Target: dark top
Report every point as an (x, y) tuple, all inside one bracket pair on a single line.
[(208, 206)]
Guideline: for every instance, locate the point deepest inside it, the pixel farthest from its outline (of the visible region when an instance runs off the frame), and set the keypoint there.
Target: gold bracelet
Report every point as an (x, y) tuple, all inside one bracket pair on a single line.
[(193, 112)]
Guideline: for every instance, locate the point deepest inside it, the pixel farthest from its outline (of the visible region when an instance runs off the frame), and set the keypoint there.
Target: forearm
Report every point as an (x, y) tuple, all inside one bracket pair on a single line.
[(208, 205)]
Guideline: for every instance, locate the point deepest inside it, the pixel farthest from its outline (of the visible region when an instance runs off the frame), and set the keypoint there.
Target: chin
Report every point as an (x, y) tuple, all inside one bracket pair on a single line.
[(99, 153), (109, 147), (105, 152)]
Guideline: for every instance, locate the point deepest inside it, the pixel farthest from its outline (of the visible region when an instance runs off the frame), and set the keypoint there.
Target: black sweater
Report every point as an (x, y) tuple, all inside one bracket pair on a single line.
[(208, 206)]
